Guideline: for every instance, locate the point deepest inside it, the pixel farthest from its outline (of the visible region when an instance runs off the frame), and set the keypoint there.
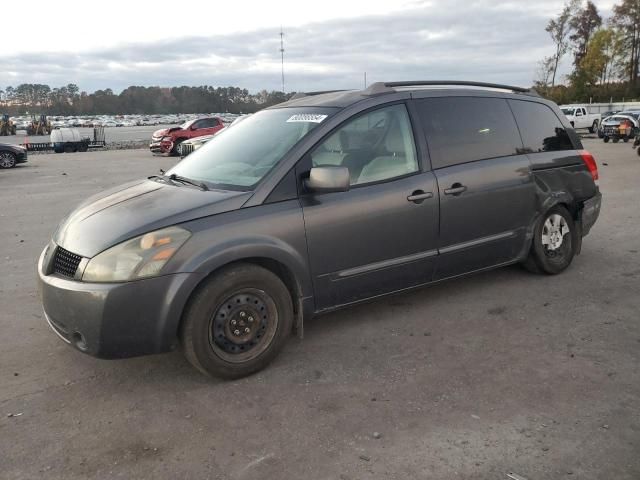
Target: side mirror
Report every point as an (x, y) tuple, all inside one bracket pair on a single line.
[(328, 179)]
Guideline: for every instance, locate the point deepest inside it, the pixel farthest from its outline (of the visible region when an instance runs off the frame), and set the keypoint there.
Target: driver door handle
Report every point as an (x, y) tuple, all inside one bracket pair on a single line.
[(419, 195)]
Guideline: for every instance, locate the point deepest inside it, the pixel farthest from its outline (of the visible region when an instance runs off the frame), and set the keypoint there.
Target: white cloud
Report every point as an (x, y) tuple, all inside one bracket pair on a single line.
[(328, 44)]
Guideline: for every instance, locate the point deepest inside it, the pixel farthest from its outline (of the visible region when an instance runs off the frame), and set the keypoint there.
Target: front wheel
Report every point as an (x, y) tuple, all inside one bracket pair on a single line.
[(175, 151), (553, 244), (237, 322), (605, 139), (7, 160), (626, 138), (616, 139)]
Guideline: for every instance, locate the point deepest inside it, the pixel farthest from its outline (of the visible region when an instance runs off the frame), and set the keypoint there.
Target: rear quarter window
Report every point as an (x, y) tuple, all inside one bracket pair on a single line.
[(466, 129), (540, 128)]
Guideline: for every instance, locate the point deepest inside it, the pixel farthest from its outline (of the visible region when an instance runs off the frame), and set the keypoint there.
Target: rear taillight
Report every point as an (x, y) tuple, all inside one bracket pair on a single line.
[(590, 162)]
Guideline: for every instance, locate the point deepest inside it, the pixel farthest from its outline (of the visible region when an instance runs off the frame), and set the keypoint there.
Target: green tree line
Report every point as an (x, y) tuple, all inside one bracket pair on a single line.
[(69, 100), (606, 54)]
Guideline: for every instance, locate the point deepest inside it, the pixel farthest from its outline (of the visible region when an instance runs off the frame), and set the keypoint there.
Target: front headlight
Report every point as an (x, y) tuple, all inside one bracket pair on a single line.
[(140, 257)]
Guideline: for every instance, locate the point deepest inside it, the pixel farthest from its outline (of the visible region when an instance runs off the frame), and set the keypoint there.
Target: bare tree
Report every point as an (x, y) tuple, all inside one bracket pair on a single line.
[(559, 29), (544, 70), (584, 24), (626, 18)]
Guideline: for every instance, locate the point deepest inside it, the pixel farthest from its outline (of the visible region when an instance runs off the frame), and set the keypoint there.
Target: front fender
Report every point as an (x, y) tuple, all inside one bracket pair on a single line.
[(274, 232)]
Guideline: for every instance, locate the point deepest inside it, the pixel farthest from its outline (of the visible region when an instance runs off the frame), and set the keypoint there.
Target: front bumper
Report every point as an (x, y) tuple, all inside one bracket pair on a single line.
[(116, 320), (161, 146), (590, 212), (21, 157)]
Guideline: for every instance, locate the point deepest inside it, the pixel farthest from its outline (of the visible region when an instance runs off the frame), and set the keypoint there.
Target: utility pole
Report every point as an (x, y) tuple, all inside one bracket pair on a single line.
[(282, 55)]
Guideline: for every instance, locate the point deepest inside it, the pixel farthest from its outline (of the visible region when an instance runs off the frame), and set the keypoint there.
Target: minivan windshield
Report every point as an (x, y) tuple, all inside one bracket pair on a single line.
[(239, 157)]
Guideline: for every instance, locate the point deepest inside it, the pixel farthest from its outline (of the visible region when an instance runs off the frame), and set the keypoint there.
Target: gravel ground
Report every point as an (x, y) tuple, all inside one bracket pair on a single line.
[(471, 379)]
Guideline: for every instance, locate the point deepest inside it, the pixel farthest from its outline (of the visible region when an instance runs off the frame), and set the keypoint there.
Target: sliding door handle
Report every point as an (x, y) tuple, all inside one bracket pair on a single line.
[(455, 189)]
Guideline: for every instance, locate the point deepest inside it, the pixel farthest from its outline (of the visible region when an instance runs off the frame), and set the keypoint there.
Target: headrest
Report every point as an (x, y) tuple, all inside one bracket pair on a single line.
[(394, 141)]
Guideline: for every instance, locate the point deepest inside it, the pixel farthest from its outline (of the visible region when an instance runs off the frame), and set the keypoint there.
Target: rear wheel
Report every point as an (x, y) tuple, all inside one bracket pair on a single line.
[(616, 139), (626, 138), (605, 139), (237, 322), (593, 127), (553, 245), (7, 160)]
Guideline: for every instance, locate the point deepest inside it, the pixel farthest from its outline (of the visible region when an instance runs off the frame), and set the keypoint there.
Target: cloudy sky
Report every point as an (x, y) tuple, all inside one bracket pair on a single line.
[(328, 44)]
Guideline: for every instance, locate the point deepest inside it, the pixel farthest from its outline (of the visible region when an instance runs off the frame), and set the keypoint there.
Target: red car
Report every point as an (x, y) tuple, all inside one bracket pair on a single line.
[(168, 139)]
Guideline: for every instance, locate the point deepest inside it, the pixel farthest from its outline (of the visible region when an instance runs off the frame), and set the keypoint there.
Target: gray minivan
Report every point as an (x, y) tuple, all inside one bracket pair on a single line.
[(320, 202)]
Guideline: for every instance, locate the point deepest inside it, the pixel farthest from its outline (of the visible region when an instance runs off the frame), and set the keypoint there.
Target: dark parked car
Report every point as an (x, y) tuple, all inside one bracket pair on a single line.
[(10, 155), (321, 202)]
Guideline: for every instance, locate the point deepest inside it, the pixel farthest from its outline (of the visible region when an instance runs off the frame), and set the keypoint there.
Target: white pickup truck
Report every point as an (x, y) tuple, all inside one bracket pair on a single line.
[(580, 117)]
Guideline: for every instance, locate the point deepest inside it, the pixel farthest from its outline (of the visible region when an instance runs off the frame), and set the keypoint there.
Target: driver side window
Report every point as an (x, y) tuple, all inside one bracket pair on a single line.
[(375, 146)]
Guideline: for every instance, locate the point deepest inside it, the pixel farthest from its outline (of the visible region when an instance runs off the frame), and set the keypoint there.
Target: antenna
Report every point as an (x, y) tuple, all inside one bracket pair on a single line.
[(282, 55)]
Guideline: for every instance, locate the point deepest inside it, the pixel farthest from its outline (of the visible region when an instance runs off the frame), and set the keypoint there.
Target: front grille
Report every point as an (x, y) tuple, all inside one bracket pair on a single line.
[(186, 149), (66, 263)]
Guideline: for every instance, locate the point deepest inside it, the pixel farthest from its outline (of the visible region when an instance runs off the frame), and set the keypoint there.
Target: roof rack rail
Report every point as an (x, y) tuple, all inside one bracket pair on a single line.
[(308, 94), (384, 87)]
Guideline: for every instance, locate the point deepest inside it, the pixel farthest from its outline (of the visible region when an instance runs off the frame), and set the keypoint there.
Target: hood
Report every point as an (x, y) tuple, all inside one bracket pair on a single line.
[(165, 131), (12, 146), (137, 208), (201, 139), (617, 120)]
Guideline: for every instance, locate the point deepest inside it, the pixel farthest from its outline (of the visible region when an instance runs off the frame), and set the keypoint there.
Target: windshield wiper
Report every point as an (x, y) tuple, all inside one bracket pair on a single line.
[(188, 181), (164, 178)]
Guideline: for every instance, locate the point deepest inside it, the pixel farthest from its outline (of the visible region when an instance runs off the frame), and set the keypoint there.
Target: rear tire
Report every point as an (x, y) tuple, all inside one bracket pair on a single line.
[(605, 139), (237, 322), (616, 139), (625, 139), (554, 242), (593, 127)]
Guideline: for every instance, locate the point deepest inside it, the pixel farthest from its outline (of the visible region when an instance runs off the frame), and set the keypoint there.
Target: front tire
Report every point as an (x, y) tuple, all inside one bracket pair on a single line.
[(175, 151), (554, 241), (605, 139), (7, 160), (237, 322)]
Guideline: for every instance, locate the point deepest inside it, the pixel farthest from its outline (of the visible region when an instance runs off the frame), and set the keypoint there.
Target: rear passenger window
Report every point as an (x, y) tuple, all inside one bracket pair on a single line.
[(540, 128), (464, 129), (375, 146)]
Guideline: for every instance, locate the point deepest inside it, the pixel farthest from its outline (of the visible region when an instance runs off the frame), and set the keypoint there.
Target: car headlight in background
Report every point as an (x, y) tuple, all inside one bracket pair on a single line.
[(140, 257)]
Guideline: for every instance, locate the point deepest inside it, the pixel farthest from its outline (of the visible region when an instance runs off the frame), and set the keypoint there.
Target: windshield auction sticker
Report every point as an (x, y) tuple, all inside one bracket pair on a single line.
[(307, 117)]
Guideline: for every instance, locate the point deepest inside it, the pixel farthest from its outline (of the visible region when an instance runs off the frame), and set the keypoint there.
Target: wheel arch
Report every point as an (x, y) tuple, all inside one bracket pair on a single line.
[(273, 263), (565, 201)]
